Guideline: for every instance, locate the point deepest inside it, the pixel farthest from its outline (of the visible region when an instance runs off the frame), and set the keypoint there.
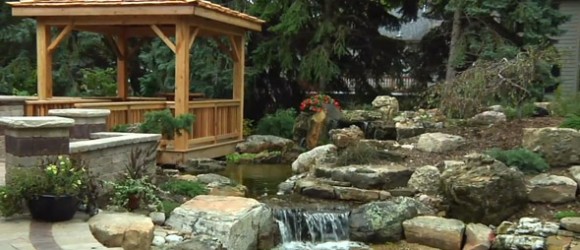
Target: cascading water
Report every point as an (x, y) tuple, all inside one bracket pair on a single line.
[(314, 230)]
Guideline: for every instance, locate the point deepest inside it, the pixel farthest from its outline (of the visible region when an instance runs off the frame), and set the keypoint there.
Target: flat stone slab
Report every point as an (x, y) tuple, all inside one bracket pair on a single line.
[(80, 112), (36, 122)]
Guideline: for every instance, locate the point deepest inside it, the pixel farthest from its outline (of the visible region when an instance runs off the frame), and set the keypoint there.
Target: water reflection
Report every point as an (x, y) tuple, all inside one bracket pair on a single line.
[(262, 179)]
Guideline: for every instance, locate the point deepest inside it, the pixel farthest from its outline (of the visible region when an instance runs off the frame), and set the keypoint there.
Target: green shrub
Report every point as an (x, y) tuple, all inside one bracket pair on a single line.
[(567, 213), (169, 206), (162, 122), (525, 110), (279, 124), (237, 157), (185, 188), (572, 121), (565, 105), (525, 160), (121, 128), (358, 154), (248, 128)]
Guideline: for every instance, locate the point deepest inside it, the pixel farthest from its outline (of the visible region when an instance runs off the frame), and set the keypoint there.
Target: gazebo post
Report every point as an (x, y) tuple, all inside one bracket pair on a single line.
[(182, 38), (238, 45), (43, 61), (122, 56)]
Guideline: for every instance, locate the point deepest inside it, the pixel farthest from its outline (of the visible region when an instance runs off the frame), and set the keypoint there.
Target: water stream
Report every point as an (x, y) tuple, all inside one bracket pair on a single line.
[(304, 224)]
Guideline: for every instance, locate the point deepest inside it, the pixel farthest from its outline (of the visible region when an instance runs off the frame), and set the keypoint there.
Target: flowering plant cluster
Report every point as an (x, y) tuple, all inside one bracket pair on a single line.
[(58, 178), (316, 103)]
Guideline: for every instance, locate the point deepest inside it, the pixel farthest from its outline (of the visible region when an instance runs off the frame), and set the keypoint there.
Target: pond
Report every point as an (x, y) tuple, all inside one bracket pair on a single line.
[(260, 179)]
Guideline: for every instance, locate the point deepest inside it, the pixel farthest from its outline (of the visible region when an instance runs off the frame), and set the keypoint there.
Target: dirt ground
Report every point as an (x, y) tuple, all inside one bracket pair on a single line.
[(505, 136)]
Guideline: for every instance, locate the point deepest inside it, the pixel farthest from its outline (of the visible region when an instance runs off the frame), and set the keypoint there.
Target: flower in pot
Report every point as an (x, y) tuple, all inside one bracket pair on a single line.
[(51, 192)]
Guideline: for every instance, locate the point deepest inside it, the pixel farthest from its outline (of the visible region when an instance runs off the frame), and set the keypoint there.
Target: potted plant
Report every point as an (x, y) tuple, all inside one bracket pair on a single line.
[(51, 192), (131, 194), (163, 122)]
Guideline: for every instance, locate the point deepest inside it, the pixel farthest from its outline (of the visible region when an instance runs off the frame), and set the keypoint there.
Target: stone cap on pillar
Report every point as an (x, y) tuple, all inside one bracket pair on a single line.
[(78, 113), (24, 122)]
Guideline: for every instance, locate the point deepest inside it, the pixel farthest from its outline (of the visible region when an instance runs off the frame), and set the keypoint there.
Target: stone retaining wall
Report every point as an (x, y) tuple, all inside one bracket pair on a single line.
[(108, 154), (11, 106)]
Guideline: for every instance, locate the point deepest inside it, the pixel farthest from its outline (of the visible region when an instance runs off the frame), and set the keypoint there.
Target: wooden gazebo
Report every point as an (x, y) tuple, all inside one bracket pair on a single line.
[(219, 122)]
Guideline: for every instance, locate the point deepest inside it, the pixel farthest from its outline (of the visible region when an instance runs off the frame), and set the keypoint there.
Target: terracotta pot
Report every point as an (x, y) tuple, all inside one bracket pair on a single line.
[(134, 202)]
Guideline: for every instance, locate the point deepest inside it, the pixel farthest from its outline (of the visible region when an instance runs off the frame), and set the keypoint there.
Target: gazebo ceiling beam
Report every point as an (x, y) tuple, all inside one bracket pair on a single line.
[(224, 49), (106, 11), (163, 37), (194, 33), (235, 48)]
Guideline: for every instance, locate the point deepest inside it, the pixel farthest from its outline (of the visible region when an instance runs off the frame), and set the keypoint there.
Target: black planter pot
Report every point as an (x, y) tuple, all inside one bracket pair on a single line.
[(52, 208)]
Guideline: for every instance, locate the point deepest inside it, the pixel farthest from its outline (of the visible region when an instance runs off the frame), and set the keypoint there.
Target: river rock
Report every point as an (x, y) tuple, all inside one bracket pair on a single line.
[(472, 190), (571, 223), (258, 143), (345, 137), (548, 188), (315, 157), (439, 142), (202, 166), (239, 223), (126, 230), (435, 232), (381, 221), (426, 179), (382, 177), (477, 237), (489, 117), (559, 146), (509, 241)]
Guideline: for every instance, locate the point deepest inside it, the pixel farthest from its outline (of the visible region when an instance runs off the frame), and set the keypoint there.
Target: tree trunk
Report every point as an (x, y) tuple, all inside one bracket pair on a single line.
[(456, 33)]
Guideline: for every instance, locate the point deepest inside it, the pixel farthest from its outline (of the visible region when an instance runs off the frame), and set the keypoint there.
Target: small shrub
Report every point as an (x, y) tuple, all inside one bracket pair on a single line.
[(169, 206), (568, 213), (248, 127), (185, 188), (571, 122), (527, 109), (358, 154), (565, 105), (279, 124), (121, 128), (525, 160), (162, 122)]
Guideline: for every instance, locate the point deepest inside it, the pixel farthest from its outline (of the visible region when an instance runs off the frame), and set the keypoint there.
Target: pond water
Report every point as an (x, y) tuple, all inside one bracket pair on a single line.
[(260, 179)]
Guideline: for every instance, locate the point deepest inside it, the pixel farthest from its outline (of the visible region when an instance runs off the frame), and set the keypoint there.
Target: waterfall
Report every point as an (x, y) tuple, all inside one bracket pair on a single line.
[(312, 226)]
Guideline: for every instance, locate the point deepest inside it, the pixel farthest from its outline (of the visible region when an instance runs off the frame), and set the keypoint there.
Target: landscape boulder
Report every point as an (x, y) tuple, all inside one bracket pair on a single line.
[(547, 188), (439, 142), (559, 146), (197, 166), (382, 177), (435, 232), (426, 179), (126, 230), (382, 221), (258, 143), (317, 156), (238, 223), (387, 104), (476, 191), (345, 137), (489, 117), (477, 237)]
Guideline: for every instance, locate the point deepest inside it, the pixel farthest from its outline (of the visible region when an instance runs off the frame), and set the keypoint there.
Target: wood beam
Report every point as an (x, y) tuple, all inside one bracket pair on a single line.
[(43, 61), (182, 36), (193, 36), (235, 48), (220, 28), (163, 37), (122, 48), (219, 16), (238, 88), (109, 20), (61, 36)]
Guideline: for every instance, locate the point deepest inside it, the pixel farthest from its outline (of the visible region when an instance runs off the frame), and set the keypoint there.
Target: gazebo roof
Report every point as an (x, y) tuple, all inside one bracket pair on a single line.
[(36, 8)]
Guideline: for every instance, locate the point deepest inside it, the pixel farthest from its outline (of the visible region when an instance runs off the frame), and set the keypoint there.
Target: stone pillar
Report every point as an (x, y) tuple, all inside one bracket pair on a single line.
[(29, 140), (87, 121)]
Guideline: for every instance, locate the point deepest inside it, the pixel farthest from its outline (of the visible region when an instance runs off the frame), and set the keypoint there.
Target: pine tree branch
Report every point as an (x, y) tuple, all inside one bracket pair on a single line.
[(502, 31)]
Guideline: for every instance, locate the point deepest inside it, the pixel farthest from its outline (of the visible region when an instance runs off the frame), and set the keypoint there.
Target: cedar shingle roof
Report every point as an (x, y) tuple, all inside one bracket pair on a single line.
[(79, 3)]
